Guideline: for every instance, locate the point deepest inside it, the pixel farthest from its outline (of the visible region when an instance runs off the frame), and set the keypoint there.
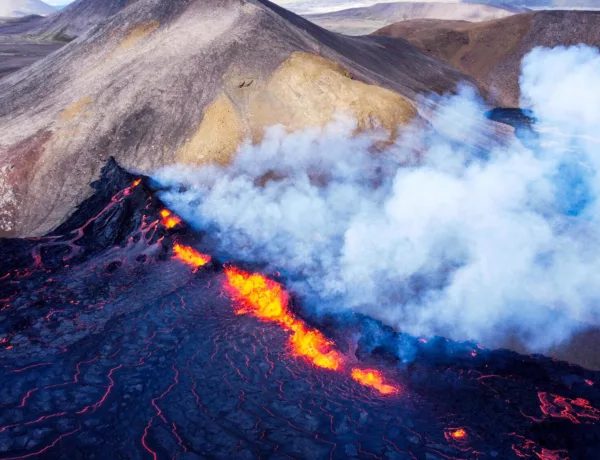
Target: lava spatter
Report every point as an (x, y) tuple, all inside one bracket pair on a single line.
[(456, 436), (459, 433), (190, 256), (373, 378), (168, 219)]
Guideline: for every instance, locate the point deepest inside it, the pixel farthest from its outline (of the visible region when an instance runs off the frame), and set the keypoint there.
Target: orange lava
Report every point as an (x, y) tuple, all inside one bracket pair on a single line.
[(373, 378), (264, 298), (459, 434), (190, 256), (136, 182), (575, 410), (169, 220), (547, 454)]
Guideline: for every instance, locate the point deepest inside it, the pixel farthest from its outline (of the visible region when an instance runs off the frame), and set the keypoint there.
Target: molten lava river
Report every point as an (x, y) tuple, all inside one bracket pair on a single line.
[(123, 336)]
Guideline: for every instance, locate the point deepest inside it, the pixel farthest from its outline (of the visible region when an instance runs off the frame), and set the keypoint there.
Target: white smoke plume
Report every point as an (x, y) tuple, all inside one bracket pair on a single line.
[(430, 235)]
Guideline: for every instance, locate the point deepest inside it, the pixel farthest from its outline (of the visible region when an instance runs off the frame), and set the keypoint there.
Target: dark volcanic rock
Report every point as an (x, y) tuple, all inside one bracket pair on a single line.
[(101, 351)]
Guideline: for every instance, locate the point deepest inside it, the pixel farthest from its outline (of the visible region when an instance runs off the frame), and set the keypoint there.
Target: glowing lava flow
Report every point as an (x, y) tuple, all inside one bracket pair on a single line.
[(576, 410), (169, 220), (190, 256), (265, 299), (373, 378), (257, 295), (458, 434)]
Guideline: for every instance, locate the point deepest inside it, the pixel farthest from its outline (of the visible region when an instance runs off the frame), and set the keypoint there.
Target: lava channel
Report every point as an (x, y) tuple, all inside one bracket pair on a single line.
[(257, 295)]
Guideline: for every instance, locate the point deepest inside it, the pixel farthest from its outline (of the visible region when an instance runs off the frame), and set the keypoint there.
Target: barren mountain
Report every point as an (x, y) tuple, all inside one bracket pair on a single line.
[(18, 8), (491, 52), (564, 4), (16, 52), (365, 20), (78, 17), (186, 81), (28, 39)]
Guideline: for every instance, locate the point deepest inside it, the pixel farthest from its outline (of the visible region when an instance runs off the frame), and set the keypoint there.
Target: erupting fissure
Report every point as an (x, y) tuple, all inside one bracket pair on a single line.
[(190, 256), (265, 299), (262, 297), (257, 295), (373, 378), (169, 220)]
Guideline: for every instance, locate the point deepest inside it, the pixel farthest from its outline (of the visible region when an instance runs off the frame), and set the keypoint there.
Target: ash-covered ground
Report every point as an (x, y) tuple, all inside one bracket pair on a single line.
[(110, 346)]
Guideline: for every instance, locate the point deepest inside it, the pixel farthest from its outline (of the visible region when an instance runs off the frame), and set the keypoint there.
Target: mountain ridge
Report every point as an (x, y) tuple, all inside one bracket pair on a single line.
[(22, 8), (188, 80), (491, 52)]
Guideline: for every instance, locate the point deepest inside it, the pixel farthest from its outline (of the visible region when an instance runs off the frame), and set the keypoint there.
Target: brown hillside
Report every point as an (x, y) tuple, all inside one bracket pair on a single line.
[(491, 52)]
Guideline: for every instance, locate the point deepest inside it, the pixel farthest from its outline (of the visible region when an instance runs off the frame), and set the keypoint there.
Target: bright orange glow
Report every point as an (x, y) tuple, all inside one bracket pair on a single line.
[(190, 256), (136, 182), (169, 220), (373, 378), (264, 298), (458, 434)]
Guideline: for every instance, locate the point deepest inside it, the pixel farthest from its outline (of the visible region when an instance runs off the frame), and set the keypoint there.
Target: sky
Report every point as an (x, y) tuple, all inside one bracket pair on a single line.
[(58, 2)]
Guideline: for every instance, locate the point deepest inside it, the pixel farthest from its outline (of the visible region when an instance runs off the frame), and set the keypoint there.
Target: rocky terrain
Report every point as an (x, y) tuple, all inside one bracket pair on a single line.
[(111, 341), (17, 52), (365, 20), (165, 82), (491, 52), (28, 39), (77, 18), (19, 8), (545, 4), (126, 332)]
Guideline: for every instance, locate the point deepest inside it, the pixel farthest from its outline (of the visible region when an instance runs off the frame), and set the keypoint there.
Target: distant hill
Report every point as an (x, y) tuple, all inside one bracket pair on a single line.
[(491, 52), (20, 8), (540, 4), (365, 20), (78, 17)]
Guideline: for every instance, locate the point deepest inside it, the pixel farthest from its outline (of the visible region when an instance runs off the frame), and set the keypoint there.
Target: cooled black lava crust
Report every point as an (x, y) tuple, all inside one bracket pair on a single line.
[(110, 348)]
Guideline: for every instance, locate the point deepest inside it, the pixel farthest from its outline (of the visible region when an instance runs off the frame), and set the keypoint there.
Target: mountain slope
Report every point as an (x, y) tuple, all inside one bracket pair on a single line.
[(565, 4), (18, 8), (365, 20), (186, 81), (491, 52), (78, 17)]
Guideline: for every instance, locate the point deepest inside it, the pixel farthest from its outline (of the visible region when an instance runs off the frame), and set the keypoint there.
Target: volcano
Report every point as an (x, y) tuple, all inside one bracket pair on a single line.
[(112, 340), (164, 82), (126, 328)]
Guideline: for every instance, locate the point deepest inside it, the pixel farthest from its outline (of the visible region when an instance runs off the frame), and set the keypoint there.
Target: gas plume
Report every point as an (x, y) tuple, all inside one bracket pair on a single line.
[(432, 234)]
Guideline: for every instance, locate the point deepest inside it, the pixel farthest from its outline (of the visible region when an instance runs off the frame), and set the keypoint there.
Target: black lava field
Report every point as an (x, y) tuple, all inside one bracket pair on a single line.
[(113, 347)]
